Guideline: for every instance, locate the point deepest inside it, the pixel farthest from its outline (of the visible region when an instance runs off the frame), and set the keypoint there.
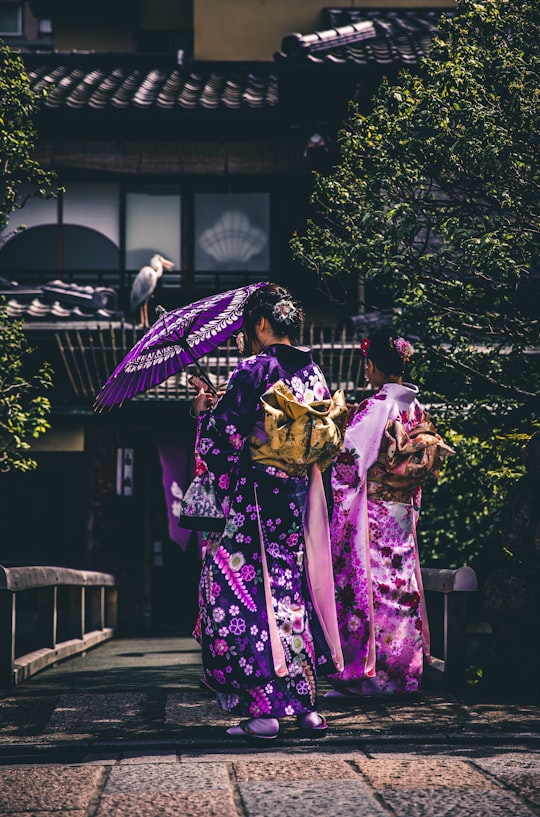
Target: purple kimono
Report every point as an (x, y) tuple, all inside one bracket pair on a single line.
[(265, 624)]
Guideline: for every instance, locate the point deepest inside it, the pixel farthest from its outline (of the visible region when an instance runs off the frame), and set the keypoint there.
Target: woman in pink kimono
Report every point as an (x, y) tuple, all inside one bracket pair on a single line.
[(379, 597)]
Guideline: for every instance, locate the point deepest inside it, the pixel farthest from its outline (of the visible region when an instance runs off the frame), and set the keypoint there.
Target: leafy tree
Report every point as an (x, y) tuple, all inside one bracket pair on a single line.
[(436, 200), (23, 408), (20, 175)]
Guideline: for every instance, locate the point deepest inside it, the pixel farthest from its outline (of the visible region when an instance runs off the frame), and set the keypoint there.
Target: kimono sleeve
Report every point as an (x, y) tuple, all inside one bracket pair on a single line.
[(362, 442), (224, 430)]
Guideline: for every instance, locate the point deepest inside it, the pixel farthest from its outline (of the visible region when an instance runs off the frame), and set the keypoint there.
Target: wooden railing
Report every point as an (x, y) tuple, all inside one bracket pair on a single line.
[(92, 351), (72, 610), (51, 613), (455, 588)]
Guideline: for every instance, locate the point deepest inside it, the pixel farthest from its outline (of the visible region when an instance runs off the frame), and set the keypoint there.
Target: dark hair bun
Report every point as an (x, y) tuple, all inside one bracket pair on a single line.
[(277, 305), (389, 352)]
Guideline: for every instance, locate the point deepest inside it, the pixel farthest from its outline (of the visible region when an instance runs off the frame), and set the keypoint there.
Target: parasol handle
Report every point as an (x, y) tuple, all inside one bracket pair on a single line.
[(162, 312)]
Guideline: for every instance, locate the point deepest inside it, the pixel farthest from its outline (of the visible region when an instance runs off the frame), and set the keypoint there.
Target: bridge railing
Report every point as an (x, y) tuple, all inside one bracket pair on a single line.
[(50, 613), (73, 610)]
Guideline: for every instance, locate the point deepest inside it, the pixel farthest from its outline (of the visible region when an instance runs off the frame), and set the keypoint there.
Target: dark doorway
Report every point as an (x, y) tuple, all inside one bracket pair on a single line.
[(42, 512)]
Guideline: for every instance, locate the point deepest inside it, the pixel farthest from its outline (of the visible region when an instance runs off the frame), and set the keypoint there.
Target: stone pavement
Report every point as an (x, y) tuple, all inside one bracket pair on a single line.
[(125, 730)]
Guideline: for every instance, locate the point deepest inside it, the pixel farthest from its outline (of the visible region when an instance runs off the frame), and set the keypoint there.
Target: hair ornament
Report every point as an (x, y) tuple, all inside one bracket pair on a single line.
[(403, 348), (240, 339), (284, 311), (364, 346)]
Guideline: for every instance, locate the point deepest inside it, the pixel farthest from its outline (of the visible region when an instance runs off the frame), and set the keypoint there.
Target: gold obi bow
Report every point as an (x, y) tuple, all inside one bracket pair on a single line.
[(299, 434)]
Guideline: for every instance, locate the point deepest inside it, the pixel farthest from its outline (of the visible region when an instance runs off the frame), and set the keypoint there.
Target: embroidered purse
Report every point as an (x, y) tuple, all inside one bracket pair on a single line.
[(200, 508)]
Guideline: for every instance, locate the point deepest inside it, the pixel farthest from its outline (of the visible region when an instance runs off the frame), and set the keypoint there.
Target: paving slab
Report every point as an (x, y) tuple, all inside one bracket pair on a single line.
[(410, 772), (172, 804), (455, 802), (287, 768), (126, 730), (128, 690), (348, 798), (48, 788), (519, 771), (36, 813), (159, 777)]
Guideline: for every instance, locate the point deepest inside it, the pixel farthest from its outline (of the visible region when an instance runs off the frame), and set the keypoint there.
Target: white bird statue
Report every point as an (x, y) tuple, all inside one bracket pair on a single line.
[(144, 285)]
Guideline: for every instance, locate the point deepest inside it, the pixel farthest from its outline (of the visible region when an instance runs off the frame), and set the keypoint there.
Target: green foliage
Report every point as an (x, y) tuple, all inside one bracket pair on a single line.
[(21, 176), (436, 200), (436, 197), (464, 512), (23, 408)]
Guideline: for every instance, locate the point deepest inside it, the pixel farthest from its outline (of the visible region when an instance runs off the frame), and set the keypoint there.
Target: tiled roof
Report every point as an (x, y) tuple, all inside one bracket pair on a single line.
[(94, 82), (364, 36), (59, 300), (90, 85)]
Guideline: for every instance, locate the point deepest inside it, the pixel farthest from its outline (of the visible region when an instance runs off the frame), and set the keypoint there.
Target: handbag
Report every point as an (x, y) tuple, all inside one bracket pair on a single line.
[(200, 508)]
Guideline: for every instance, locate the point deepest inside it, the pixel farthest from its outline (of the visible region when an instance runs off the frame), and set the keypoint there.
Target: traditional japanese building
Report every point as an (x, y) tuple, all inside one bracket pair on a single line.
[(188, 129)]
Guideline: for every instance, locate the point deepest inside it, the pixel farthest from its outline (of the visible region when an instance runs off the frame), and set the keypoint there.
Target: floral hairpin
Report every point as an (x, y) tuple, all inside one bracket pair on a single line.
[(240, 339), (364, 346), (284, 311), (403, 348)]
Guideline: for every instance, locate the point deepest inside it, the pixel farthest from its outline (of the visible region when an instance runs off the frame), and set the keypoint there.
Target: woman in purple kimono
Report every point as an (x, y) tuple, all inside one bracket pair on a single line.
[(267, 614), (379, 595)]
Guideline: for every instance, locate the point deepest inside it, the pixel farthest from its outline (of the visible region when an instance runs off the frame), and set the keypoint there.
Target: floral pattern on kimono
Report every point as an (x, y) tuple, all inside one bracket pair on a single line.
[(379, 595), (263, 506)]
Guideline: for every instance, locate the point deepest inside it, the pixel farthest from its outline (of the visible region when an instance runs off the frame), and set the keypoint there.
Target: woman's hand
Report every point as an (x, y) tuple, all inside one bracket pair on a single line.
[(203, 401)]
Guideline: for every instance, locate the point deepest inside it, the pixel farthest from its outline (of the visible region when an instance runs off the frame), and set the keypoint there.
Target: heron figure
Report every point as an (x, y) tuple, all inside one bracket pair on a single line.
[(144, 285)]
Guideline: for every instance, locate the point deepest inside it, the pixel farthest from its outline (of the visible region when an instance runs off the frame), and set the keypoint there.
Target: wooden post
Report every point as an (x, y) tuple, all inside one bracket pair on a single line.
[(455, 585), (7, 637), (111, 619), (455, 620), (76, 611), (97, 613), (47, 612)]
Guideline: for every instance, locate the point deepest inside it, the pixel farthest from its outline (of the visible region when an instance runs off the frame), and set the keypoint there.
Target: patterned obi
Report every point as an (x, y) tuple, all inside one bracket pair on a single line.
[(378, 490), (406, 459), (293, 436)]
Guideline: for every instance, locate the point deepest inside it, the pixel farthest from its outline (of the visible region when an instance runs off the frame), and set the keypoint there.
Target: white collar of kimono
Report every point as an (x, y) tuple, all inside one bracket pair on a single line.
[(406, 392)]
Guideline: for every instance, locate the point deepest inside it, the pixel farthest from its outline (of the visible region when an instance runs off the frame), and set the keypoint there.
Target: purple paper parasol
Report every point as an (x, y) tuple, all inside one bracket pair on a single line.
[(177, 339)]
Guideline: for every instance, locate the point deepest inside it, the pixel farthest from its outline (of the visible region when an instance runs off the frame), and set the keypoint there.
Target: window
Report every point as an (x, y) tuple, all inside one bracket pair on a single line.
[(11, 19), (232, 232), (91, 227), (45, 28), (107, 232), (77, 231), (29, 239), (152, 225)]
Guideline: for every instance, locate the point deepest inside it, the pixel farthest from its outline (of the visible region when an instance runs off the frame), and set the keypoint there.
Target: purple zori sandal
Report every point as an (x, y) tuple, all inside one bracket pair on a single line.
[(311, 722), (251, 729)]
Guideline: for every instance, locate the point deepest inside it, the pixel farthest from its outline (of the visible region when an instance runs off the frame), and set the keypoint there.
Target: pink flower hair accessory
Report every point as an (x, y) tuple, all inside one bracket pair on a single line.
[(403, 348), (284, 311), (364, 346)]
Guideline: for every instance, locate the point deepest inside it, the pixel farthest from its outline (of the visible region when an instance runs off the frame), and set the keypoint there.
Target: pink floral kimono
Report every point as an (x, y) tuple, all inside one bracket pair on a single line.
[(379, 595)]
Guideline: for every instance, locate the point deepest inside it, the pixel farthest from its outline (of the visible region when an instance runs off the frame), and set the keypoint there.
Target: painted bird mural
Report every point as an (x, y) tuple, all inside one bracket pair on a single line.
[(144, 285)]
